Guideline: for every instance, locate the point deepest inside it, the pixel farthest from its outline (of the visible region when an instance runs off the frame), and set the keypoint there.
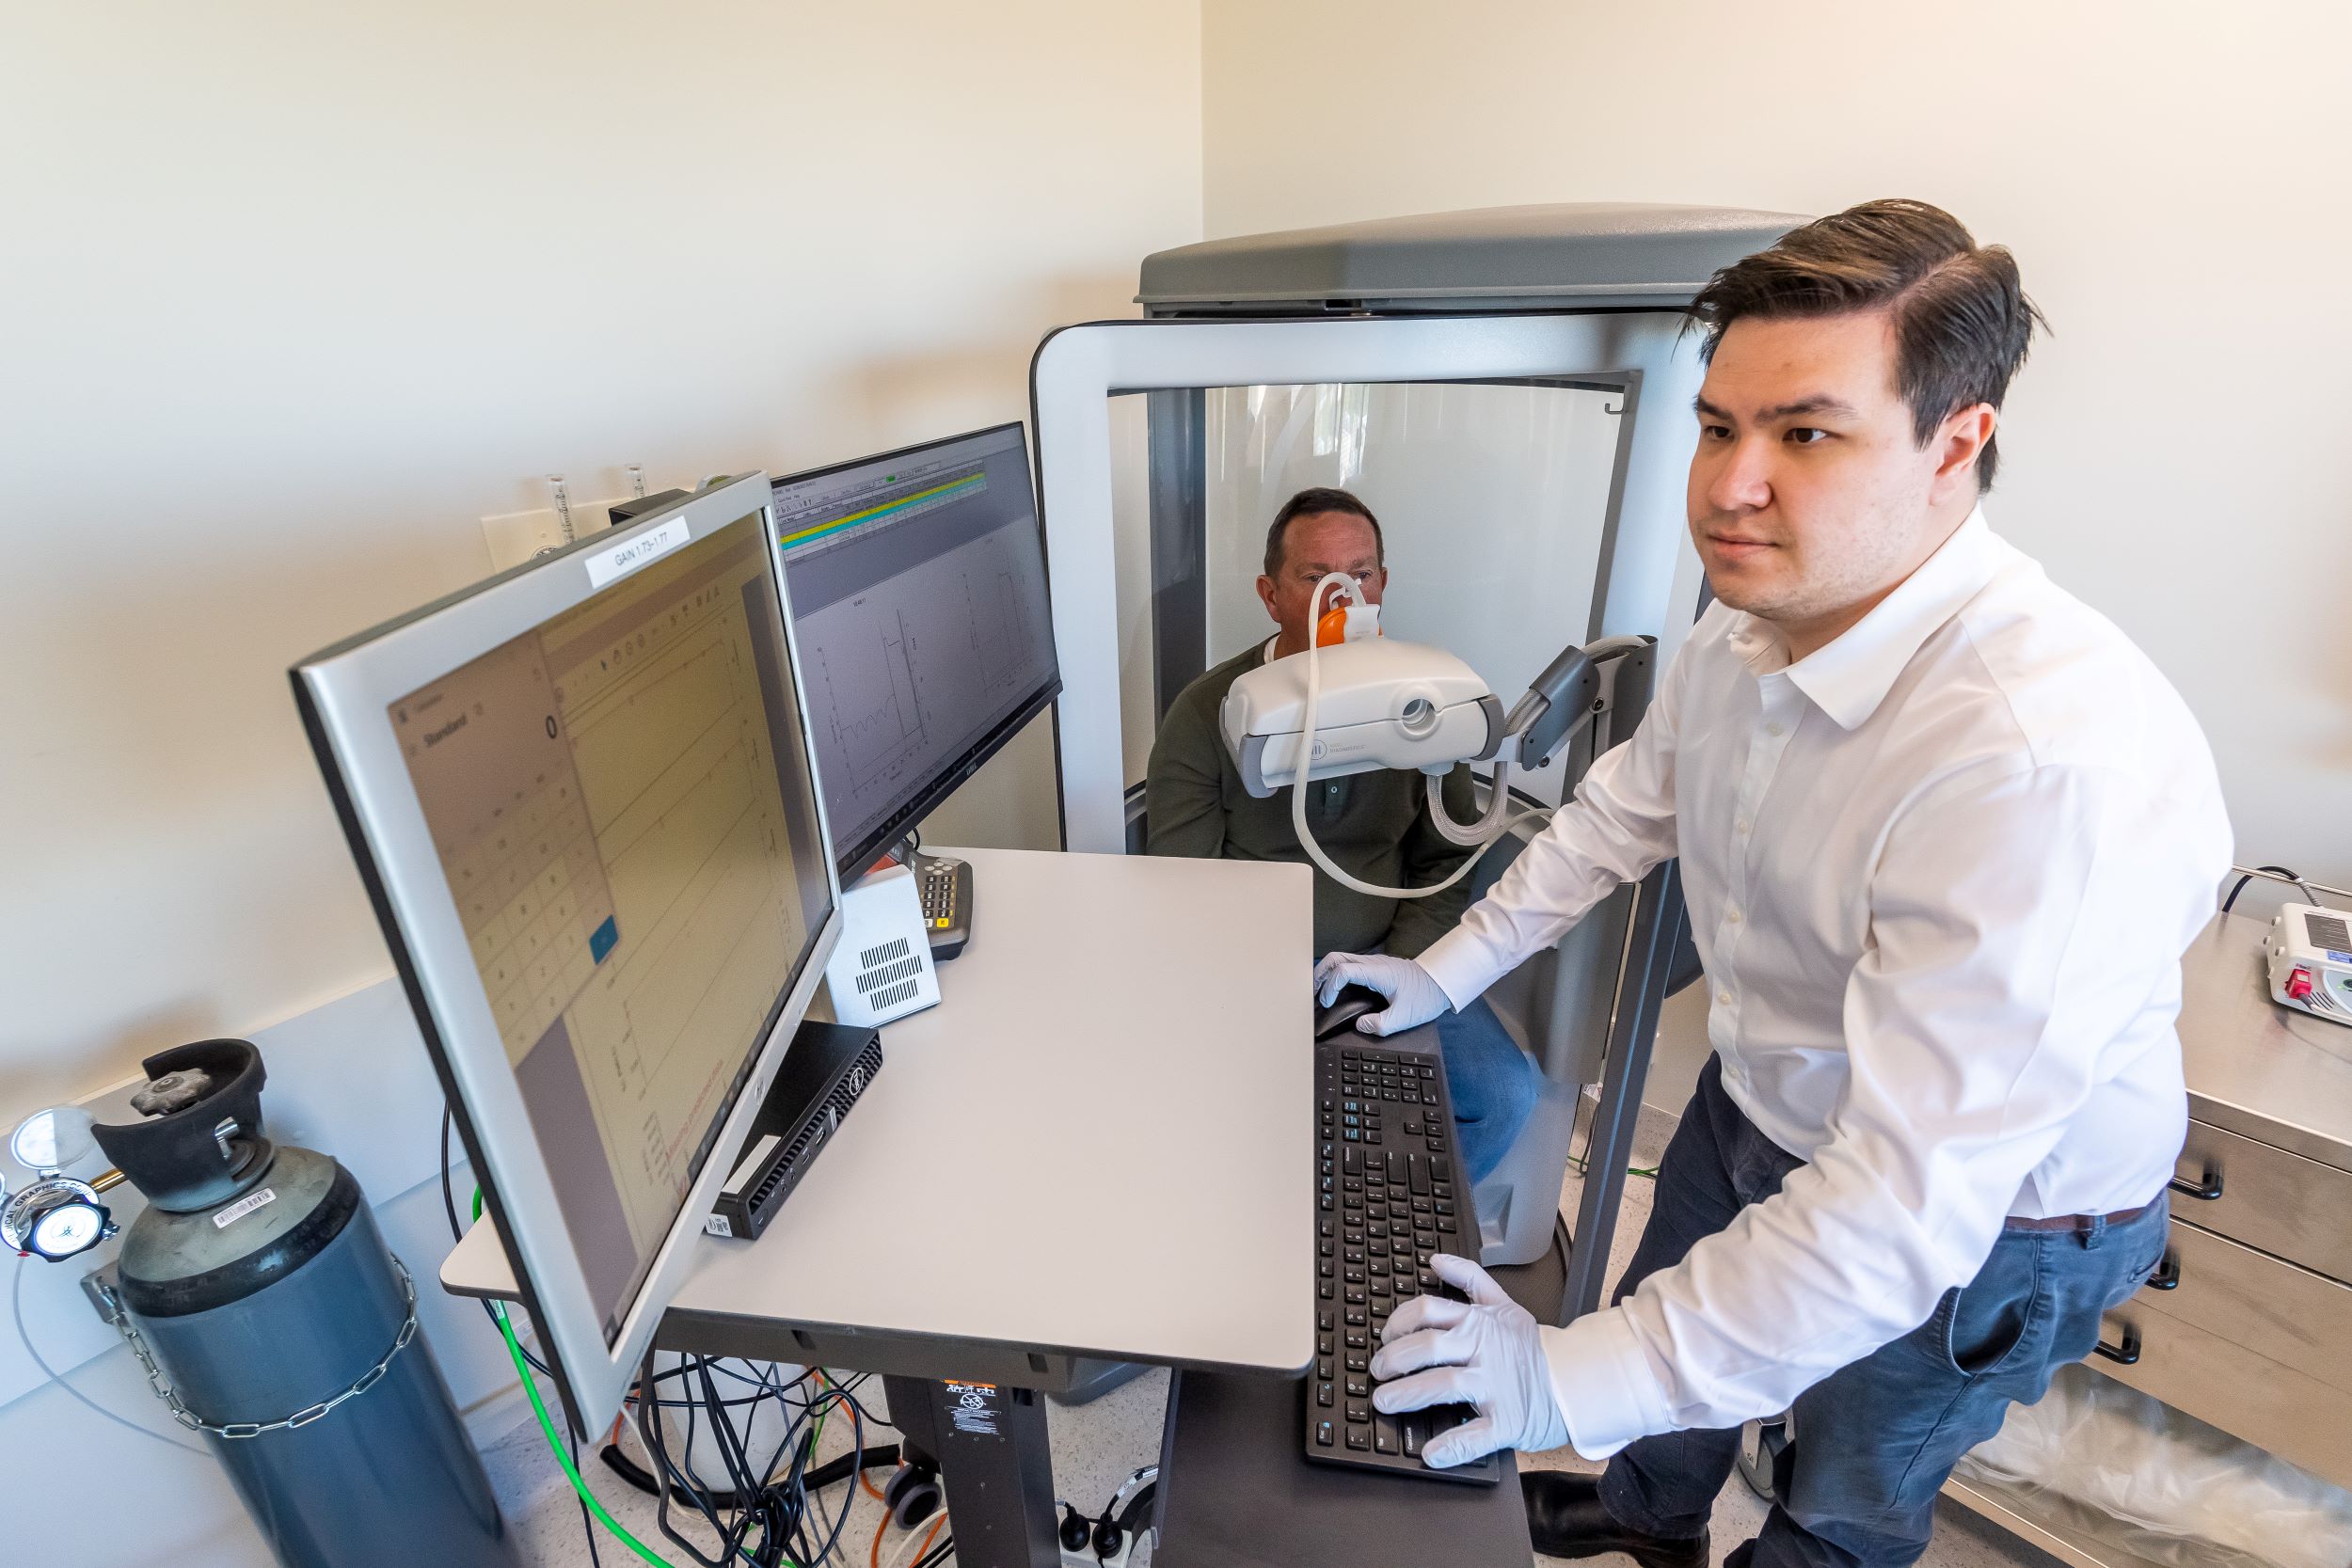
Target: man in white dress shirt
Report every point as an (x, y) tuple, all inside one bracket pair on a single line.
[(1945, 833)]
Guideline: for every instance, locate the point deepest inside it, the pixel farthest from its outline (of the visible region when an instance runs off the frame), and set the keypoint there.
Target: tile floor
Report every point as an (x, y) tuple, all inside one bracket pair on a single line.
[(1097, 1446)]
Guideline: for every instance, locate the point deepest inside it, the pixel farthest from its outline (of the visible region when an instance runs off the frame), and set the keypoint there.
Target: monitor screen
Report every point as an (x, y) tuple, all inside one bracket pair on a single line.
[(620, 804), (919, 607)]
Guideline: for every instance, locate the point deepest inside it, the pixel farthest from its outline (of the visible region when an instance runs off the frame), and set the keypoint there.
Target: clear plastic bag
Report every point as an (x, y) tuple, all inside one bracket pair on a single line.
[(2116, 1465)]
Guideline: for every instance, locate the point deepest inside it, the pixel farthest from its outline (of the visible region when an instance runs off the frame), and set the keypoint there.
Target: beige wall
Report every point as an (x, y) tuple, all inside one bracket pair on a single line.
[(297, 292), (2170, 175)]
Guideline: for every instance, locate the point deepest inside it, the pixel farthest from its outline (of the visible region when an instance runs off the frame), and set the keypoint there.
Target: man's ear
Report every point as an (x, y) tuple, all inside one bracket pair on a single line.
[(1961, 442), (1266, 596)]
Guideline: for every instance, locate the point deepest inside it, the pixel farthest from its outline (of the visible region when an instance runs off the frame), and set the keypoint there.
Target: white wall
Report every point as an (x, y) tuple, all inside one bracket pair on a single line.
[(296, 294), (2169, 176)]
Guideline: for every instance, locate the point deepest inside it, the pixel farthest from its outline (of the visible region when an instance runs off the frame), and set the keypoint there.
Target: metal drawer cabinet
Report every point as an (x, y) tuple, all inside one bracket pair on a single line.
[(2277, 1202), (2255, 1346)]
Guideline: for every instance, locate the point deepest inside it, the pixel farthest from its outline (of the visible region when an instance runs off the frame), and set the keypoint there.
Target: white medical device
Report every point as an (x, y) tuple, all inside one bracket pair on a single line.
[(2311, 961), (1368, 703), (1383, 704), (881, 969)]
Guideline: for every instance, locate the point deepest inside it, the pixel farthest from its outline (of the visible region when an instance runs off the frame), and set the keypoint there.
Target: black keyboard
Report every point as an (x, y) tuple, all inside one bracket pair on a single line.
[(1387, 1200)]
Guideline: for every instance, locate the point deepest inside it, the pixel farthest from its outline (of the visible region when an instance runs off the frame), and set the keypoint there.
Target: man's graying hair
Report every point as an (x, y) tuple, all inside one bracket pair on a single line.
[(1307, 502), (1961, 317)]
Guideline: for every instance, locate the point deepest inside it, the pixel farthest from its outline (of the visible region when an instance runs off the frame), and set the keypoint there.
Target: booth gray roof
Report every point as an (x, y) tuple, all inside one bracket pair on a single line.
[(1568, 256)]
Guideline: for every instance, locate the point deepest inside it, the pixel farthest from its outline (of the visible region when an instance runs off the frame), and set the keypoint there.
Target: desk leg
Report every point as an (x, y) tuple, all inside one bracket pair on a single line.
[(989, 1442)]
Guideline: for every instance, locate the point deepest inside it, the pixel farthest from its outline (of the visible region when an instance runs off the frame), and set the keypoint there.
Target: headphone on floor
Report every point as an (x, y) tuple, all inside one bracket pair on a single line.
[(1110, 1537)]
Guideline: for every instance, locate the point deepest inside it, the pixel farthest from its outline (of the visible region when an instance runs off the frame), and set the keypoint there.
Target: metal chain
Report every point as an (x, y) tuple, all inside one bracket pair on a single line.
[(237, 1430)]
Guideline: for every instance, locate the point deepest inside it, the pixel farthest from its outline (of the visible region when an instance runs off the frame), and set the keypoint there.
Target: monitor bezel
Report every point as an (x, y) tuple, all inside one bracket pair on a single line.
[(852, 860), (345, 693)]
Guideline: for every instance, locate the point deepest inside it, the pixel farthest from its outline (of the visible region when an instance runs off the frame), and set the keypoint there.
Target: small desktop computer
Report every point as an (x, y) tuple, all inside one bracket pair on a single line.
[(918, 602)]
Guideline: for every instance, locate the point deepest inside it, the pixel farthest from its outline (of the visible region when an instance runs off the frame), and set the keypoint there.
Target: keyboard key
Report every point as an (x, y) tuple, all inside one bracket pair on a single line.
[(1356, 1340), (1412, 1438), (1358, 1388), (1323, 1394), (1358, 1412), (1323, 1434), (1385, 1438), (1360, 1437)]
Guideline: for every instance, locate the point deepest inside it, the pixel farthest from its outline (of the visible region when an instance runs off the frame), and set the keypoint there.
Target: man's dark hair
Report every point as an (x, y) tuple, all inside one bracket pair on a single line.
[(1308, 502), (1961, 319)]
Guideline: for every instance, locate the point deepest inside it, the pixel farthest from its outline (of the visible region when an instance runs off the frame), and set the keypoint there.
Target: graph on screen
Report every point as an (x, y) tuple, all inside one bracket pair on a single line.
[(908, 672)]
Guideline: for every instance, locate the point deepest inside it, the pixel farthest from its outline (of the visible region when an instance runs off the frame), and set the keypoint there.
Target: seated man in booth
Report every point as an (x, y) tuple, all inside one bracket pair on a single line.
[(1376, 825)]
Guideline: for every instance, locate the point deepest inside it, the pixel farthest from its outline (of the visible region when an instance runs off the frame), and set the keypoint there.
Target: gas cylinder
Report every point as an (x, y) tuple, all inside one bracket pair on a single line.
[(273, 1320)]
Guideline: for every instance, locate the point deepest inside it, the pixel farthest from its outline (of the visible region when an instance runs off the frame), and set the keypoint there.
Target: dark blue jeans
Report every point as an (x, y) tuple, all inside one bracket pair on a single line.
[(1870, 1444), (1492, 1083)]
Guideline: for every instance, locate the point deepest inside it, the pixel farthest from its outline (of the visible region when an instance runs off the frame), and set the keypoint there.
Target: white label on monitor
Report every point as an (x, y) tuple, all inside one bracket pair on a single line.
[(608, 565)]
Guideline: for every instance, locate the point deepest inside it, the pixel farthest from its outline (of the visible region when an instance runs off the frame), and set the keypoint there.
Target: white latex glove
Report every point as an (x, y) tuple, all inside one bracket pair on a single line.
[(1414, 995), (1485, 1351)]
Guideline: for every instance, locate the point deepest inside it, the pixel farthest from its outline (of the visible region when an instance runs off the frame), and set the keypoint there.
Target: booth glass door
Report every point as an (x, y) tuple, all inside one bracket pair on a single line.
[(1525, 503)]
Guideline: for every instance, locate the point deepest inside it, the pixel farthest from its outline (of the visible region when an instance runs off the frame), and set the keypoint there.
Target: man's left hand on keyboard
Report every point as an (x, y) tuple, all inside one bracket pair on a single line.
[(1486, 1352)]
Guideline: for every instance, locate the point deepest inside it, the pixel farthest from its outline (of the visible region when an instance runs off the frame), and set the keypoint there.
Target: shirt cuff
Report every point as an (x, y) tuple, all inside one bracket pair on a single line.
[(1461, 965), (1603, 1383)]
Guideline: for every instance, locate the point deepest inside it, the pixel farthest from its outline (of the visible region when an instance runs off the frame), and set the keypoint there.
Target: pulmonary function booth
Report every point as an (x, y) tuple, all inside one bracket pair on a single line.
[(818, 1187)]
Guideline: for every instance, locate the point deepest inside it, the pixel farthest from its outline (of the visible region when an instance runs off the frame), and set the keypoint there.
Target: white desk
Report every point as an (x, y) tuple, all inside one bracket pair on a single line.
[(1119, 1067)]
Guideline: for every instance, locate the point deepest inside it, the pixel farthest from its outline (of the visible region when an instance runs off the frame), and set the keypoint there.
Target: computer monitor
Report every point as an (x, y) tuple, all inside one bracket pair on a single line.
[(582, 799), (920, 610)]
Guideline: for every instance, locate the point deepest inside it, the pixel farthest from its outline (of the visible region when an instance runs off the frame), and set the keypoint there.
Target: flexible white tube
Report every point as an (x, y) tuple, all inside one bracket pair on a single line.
[(1301, 763)]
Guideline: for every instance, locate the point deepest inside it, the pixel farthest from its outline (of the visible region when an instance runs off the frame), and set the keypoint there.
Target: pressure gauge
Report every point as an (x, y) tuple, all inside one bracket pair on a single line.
[(55, 1217)]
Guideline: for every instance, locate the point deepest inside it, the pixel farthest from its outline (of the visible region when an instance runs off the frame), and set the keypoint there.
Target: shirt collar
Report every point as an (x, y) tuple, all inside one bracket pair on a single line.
[(1851, 676)]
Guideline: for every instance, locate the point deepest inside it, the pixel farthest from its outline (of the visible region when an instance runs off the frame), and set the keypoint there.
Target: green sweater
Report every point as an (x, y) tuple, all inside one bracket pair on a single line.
[(1375, 824)]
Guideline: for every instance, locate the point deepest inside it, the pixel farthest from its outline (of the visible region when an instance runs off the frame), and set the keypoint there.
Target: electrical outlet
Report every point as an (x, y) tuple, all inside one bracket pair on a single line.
[(515, 537)]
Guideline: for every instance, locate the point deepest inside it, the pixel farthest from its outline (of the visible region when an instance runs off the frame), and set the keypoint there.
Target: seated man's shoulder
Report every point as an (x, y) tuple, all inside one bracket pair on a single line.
[(1206, 695)]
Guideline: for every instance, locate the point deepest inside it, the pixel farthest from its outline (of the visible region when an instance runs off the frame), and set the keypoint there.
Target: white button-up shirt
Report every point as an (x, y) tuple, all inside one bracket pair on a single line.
[(1940, 873)]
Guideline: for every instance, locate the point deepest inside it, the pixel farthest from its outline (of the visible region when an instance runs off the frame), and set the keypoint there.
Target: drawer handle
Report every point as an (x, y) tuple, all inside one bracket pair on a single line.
[(2167, 1275), (2124, 1354), (2204, 1191)]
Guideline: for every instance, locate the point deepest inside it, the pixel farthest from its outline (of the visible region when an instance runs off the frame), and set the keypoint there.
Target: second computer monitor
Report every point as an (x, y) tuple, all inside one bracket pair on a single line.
[(919, 608)]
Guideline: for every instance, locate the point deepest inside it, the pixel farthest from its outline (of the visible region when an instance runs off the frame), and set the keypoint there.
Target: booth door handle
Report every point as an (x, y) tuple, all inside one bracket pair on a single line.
[(2124, 1354), (2167, 1275), (2204, 1191)]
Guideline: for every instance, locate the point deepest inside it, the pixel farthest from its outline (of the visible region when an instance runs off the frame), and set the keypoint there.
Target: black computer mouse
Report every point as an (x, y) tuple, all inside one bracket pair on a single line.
[(1352, 1002)]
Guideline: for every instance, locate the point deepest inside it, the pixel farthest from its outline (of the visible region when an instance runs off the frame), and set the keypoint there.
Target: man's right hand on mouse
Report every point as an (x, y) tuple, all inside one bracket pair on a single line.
[(1414, 995)]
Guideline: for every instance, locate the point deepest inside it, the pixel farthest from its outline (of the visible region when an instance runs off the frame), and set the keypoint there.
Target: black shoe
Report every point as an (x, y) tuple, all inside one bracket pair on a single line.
[(1564, 1518)]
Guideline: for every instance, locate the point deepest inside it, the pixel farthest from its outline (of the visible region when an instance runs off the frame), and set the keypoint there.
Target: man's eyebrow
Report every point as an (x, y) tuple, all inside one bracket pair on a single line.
[(1820, 403)]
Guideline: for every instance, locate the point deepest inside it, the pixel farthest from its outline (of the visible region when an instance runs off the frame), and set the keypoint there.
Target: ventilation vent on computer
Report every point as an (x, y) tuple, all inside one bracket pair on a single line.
[(2329, 931), (882, 1002), (883, 954), (872, 981)]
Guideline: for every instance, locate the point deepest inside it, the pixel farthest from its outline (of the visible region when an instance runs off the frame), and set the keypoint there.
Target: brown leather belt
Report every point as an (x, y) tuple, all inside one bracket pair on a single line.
[(2075, 1222)]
